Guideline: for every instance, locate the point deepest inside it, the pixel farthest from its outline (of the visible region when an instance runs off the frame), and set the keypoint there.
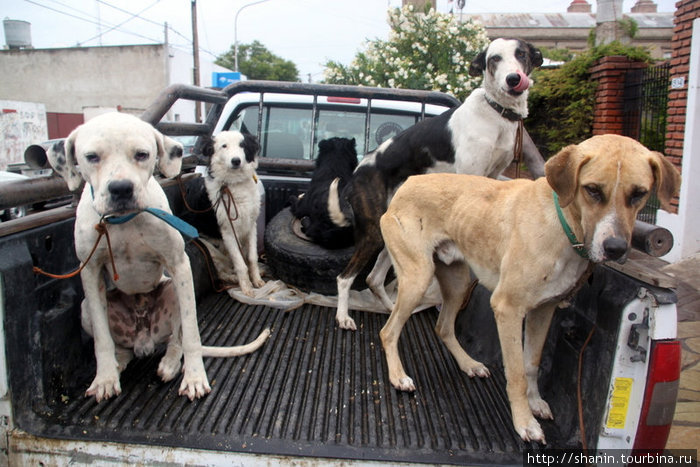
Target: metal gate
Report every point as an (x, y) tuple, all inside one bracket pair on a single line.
[(645, 102)]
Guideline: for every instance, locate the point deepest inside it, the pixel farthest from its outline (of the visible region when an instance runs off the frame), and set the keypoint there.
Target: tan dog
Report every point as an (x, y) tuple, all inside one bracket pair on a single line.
[(510, 235)]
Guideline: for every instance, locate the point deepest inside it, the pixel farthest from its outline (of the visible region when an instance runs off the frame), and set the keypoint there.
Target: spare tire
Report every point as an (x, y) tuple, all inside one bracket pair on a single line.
[(302, 263)]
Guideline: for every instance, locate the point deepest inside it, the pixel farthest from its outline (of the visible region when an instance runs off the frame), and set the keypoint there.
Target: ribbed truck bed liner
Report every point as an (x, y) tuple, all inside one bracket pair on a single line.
[(311, 390)]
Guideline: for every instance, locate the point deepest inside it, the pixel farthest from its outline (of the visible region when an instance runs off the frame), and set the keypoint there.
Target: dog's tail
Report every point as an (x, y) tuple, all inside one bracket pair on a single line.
[(339, 210), (208, 351)]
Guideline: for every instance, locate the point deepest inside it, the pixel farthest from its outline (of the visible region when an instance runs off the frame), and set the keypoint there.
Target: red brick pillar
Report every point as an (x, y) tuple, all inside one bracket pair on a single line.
[(686, 12), (610, 73)]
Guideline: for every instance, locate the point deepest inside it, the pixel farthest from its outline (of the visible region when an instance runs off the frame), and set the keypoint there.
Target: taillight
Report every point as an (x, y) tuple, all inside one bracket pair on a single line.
[(659, 396)]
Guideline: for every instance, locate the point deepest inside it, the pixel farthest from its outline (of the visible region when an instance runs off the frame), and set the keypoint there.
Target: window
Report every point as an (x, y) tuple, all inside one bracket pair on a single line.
[(286, 130)]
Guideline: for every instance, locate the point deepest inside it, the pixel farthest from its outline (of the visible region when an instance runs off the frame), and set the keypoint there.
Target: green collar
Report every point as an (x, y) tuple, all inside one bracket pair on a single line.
[(579, 247)]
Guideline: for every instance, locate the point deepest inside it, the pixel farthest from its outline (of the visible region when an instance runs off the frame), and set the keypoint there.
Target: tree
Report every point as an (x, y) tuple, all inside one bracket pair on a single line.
[(429, 51), (257, 62)]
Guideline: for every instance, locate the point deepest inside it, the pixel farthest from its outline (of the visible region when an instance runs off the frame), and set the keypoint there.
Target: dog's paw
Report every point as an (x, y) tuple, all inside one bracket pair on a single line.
[(258, 282), (404, 383), (169, 367), (194, 384), (105, 386), (346, 323), (540, 409), (144, 346), (477, 369), (531, 431), (246, 288)]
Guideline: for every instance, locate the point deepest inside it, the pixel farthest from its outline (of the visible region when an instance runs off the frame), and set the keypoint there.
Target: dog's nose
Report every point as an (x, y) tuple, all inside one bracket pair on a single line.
[(615, 248), (512, 79), (121, 190), (235, 162)]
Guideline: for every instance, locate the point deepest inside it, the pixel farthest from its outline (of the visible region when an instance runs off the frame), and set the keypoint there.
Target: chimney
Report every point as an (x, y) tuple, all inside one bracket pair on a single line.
[(607, 16), (644, 6), (579, 6)]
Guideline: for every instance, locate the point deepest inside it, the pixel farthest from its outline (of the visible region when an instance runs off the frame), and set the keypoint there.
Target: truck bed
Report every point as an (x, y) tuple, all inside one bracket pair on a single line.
[(312, 390)]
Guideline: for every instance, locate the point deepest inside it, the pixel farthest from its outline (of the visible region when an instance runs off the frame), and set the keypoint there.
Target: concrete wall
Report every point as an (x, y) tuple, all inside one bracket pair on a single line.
[(76, 81), (683, 132), (67, 80)]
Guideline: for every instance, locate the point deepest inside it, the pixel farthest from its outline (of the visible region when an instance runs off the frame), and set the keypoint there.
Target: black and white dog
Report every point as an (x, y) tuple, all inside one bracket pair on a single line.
[(321, 220), (476, 138), (231, 184)]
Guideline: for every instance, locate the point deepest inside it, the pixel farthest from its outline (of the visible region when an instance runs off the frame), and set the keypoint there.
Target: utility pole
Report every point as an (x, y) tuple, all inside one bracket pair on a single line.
[(195, 55)]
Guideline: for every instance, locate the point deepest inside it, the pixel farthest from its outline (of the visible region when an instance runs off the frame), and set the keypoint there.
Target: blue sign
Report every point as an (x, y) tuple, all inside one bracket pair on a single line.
[(221, 80)]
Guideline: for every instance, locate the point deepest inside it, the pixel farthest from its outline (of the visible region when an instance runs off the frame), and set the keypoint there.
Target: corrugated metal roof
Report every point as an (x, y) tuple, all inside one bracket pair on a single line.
[(565, 20)]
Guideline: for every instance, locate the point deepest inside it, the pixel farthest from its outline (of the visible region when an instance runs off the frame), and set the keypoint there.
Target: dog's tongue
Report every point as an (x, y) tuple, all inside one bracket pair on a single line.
[(523, 84)]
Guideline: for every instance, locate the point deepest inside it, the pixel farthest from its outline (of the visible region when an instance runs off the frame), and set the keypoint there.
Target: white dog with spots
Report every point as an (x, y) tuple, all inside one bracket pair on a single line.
[(116, 154)]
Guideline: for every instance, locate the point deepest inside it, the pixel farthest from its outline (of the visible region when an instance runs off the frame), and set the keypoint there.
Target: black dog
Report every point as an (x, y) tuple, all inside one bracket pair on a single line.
[(336, 161)]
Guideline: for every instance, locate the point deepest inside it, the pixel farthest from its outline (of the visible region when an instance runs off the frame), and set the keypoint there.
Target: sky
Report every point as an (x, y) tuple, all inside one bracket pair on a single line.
[(307, 32)]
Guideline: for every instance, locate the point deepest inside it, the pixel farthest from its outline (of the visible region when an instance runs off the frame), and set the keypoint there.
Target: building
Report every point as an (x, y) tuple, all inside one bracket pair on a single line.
[(79, 82), (571, 29)]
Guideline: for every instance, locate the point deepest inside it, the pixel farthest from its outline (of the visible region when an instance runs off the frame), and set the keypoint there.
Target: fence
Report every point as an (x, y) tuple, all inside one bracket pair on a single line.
[(645, 102)]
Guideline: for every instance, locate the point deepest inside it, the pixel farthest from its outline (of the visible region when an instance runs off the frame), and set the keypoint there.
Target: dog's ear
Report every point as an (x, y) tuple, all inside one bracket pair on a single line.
[(351, 146), (250, 146), (324, 145), (61, 156), (169, 155), (562, 172), (478, 65), (666, 179), (207, 143), (352, 149), (535, 55)]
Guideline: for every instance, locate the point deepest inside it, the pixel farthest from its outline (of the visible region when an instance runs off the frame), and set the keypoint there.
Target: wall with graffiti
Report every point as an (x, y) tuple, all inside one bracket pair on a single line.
[(21, 124)]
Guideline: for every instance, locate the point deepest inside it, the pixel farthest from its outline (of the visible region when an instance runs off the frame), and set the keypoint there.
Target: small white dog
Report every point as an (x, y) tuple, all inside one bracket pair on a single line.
[(116, 154), (231, 185)]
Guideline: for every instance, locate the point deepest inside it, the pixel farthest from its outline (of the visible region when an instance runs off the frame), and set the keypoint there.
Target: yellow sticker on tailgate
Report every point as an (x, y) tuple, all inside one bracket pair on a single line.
[(619, 402)]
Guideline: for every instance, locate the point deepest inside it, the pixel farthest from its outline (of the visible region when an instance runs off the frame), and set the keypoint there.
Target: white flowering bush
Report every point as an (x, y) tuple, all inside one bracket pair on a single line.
[(429, 51)]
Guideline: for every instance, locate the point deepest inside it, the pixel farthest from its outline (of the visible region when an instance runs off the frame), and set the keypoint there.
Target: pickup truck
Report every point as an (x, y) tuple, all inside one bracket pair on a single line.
[(315, 393)]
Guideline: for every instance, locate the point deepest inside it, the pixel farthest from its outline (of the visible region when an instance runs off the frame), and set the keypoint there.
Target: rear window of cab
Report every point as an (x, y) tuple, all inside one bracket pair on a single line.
[(286, 130)]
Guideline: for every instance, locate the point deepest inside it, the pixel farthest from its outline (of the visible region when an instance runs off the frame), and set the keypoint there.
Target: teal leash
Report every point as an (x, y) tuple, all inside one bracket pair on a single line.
[(187, 230)]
